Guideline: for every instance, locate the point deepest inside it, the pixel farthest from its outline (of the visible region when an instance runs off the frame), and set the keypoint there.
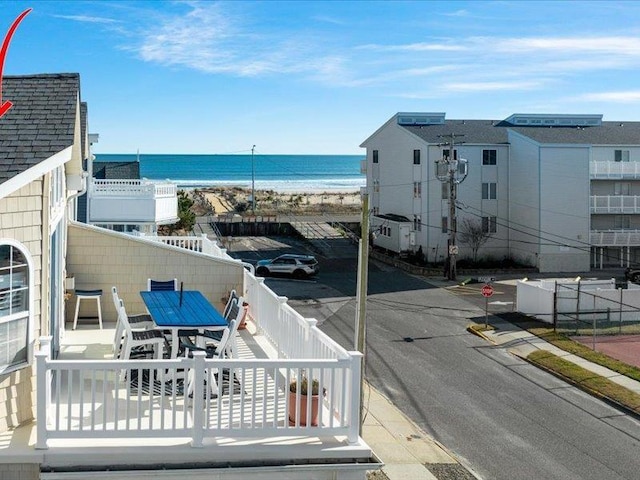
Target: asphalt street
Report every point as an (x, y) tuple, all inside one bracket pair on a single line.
[(503, 418)]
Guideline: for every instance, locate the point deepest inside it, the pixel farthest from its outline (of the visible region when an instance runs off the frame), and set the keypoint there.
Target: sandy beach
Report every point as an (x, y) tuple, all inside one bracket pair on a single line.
[(224, 200)]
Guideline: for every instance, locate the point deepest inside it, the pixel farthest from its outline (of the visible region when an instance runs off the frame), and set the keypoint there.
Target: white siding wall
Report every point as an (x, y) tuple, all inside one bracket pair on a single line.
[(21, 220), (524, 184), (100, 259), (606, 153), (564, 208), (470, 196)]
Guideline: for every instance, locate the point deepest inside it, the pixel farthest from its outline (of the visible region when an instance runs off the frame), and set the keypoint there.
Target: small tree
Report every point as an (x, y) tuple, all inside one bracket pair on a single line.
[(473, 235), (186, 218)]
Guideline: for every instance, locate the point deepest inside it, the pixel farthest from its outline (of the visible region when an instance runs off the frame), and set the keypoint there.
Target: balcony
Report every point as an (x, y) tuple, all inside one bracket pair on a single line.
[(614, 238), (87, 399), (614, 170), (615, 204), (132, 201)]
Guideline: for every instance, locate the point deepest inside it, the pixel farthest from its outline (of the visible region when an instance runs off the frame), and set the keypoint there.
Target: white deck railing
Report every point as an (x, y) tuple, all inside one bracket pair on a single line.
[(198, 243), (132, 187), (614, 238), (615, 204), (149, 398), (613, 170)]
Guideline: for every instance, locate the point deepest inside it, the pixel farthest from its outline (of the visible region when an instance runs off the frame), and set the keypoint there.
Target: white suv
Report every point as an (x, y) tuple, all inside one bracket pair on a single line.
[(300, 266)]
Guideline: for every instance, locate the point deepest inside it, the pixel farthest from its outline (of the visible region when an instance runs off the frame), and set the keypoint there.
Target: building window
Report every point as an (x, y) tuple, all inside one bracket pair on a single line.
[(416, 157), (14, 308), (621, 222), (375, 156), (489, 157), (621, 155), (489, 191), (622, 188), (489, 224), (445, 225), (445, 190), (445, 154), (417, 223), (417, 189)]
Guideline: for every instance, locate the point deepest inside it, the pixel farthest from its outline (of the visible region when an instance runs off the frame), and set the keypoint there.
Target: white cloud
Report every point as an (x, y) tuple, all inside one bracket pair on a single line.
[(632, 96), (489, 86), (87, 19), (457, 13), (413, 47)]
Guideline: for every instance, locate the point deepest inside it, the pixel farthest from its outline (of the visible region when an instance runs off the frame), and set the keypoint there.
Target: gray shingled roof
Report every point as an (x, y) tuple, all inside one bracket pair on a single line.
[(41, 121), (475, 131), (492, 132), (116, 170), (609, 133)]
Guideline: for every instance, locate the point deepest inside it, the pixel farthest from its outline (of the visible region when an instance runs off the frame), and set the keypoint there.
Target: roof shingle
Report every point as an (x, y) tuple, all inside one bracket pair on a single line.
[(41, 122)]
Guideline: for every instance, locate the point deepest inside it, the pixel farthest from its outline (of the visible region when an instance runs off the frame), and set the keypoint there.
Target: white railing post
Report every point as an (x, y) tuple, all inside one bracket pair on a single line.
[(282, 301), (43, 394), (308, 344), (357, 382), (197, 430)]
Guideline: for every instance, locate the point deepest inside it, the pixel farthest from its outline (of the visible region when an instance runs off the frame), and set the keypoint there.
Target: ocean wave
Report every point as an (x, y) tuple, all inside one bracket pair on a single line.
[(324, 185)]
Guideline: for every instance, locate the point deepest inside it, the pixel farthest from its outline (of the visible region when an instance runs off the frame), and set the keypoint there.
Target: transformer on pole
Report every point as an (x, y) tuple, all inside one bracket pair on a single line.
[(451, 170)]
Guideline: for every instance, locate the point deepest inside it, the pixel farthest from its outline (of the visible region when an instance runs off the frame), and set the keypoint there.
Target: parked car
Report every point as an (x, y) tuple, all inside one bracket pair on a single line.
[(300, 266), (632, 274)]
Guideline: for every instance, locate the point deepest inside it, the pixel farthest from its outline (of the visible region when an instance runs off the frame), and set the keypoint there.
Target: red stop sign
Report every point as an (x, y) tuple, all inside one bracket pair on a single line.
[(487, 290)]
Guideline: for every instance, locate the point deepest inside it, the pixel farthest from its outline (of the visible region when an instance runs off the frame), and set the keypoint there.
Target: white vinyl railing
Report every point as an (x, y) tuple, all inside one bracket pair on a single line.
[(613, 170), (199, 243), (614, 238), (615, 204), (177, 398), (132, 187)]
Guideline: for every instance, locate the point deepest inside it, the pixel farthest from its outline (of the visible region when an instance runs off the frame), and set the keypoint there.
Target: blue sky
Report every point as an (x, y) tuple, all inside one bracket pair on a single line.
[(320, 77)]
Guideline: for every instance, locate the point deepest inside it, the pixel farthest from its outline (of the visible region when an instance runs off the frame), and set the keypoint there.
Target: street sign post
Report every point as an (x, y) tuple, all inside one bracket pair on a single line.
[(487, 291)]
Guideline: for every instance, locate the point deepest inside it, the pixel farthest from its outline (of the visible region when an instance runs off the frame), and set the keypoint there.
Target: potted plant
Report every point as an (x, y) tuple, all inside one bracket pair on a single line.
[(298, 393)]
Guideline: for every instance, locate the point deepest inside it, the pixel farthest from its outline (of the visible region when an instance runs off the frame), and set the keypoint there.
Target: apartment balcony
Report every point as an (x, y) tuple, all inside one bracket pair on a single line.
[(132, 201), (614, 170), (615, 204), (614, 238)]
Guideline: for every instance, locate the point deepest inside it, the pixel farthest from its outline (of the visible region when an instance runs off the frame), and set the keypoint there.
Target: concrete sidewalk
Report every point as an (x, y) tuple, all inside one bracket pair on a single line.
[(407, 452)]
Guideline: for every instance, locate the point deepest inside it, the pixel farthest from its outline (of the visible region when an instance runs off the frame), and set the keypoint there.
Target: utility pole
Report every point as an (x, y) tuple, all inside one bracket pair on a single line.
[(452, 170), (253, 183), (361, 297)]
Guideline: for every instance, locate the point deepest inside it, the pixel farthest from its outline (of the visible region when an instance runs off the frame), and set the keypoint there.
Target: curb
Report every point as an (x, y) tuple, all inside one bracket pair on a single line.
[(479, 333)]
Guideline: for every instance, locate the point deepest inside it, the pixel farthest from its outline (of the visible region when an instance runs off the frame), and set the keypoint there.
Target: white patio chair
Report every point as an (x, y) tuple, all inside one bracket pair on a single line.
[(213, 338), (141, 321), (135, 338), (219, 352)]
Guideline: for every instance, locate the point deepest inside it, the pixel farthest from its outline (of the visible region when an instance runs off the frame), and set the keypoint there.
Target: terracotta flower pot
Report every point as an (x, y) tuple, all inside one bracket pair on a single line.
[(301, 404)]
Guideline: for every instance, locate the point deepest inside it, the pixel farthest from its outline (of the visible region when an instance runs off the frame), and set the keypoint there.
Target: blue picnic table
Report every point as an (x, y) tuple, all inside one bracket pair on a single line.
[(195, 312)]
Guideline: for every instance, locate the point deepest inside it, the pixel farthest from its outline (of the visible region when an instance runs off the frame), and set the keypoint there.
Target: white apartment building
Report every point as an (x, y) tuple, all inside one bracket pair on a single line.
[(558, 192)]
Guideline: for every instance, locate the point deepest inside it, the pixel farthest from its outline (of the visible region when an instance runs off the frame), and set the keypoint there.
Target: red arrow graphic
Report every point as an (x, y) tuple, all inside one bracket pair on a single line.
[(5, 106)]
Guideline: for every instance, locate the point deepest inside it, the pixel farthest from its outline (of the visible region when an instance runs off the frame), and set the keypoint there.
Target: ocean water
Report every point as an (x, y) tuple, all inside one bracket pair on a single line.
[(291, 173)]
